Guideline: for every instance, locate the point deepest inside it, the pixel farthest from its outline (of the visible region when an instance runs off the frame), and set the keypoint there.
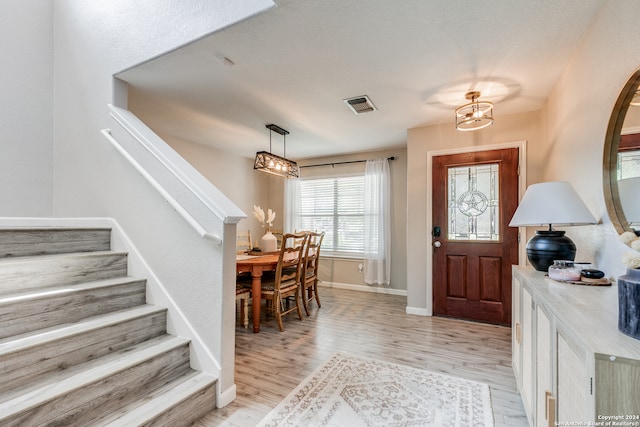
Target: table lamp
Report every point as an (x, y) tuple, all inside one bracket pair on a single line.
[(550, 203)]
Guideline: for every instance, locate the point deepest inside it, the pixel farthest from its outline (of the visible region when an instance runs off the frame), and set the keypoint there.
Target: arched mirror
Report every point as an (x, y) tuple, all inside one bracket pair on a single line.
[(622, 159)]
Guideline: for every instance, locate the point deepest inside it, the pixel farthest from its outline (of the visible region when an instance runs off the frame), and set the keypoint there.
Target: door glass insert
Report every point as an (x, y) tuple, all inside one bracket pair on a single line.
[(473, 202)]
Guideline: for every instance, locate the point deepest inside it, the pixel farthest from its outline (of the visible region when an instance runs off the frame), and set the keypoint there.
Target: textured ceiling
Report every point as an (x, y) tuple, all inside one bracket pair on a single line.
[(415, 59)]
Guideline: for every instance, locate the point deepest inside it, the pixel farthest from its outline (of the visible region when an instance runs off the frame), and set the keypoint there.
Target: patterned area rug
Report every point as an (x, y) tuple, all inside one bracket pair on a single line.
[(353, 392)]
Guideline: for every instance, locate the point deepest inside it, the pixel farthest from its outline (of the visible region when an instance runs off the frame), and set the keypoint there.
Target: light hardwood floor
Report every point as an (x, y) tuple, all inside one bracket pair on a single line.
[(271, 364)]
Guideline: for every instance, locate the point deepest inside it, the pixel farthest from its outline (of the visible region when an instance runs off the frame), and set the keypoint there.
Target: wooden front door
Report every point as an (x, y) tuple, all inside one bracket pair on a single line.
[(474, 197)]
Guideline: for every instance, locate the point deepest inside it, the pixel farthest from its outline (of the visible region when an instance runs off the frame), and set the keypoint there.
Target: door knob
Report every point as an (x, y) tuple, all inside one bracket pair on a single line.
[(437, 244)]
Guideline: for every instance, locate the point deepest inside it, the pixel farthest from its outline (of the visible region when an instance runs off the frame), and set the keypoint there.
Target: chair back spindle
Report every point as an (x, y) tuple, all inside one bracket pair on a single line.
[(309, 282)]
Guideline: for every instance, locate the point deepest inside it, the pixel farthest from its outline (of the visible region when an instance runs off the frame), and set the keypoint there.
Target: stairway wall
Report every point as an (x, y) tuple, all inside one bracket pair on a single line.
[(26, 112), (93, 42)]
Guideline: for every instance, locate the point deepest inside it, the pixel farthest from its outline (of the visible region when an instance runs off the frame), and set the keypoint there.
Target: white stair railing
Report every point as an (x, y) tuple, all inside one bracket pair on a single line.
[(200, 203)]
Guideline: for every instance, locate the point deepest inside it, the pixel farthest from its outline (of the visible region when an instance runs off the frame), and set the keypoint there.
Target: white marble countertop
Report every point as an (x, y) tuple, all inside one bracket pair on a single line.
[(591, 312)]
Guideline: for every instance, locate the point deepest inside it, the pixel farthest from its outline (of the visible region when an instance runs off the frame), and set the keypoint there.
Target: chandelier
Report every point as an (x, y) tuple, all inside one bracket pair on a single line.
[(267, 162), (474, 115)]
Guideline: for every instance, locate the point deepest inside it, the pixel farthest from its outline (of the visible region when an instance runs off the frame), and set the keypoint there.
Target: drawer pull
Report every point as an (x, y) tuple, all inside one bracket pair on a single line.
[(550, 405)]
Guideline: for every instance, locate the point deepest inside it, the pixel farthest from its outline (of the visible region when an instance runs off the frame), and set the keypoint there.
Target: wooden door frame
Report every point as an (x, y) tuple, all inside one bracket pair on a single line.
[(522, 186)]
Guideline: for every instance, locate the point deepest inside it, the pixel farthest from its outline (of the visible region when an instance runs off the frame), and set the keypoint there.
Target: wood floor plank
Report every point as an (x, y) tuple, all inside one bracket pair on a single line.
[(31, 241), (24, 361), (22, 313), (23, 273), (271, 364)]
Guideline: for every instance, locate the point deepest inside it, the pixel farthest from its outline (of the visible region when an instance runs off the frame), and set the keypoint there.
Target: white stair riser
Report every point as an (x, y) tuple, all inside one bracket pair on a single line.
[(26, 316), (39, 241)]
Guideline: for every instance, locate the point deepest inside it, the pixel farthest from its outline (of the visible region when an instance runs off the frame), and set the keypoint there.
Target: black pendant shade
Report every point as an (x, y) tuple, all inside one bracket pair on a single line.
[(268, 162)]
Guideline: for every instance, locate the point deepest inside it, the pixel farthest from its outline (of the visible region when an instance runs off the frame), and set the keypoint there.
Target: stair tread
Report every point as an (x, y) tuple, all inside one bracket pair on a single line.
[(82, 338), (50, 391), (30, 339), (73, 370), (50, 228), (44, 257), (48, 291), (159, 401)]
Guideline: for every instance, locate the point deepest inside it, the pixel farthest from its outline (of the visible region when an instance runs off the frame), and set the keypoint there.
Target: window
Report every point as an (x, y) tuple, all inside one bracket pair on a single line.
[(336, 206)]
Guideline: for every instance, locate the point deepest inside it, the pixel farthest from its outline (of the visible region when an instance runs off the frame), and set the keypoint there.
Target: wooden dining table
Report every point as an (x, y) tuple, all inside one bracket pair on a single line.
[(256, 265)]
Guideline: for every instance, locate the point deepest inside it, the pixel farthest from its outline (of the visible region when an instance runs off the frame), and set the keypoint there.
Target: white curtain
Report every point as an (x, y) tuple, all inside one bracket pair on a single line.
[(291, 220), (377, 242)]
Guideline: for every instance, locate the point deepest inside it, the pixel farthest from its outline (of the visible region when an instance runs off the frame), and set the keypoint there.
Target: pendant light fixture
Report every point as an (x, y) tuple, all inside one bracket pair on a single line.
[(474, 115), (273, 164)]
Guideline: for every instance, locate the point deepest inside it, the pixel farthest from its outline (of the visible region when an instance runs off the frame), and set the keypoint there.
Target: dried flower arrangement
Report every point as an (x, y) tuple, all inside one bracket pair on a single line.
[(631, 259), (267, 220)]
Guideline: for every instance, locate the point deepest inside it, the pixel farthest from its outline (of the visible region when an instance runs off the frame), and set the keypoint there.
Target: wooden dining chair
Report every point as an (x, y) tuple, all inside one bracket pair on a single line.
[(309, 282), (278, 233), (284, 284), (243, 242), (242, 295)]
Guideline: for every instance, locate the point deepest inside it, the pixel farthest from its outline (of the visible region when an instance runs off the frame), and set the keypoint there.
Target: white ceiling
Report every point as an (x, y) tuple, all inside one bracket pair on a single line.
[(415, 59)]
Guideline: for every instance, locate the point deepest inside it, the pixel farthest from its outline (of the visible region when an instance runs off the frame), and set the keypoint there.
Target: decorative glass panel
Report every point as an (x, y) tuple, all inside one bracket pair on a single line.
[(473, 202)]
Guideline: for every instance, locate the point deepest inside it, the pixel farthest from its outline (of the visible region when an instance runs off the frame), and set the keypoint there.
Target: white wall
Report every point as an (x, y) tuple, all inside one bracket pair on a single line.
[(577, 115), (506, 129), (565, 142), (26, 111), (234, 176), (93, 41), (341, 271)]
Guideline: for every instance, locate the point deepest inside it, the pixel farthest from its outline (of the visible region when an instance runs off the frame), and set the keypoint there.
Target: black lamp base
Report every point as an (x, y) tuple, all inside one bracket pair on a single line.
[(547, 246)]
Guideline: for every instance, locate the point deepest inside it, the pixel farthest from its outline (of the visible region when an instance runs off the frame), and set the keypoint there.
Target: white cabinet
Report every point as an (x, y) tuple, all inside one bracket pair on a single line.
[(571, 363), (574, 383), (522, 343), (543, 369)]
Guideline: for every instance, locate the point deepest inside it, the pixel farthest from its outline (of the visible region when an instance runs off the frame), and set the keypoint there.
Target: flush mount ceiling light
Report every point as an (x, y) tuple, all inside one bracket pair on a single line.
[(273, 164), (474, 115)]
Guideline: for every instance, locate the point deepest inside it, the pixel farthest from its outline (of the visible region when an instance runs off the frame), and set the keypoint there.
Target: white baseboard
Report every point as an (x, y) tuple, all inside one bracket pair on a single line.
[(418, 311), (225, 397), (363, 288)]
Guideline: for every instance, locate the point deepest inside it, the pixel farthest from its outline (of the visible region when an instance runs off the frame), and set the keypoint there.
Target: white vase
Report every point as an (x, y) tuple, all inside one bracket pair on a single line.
[(268, 242)]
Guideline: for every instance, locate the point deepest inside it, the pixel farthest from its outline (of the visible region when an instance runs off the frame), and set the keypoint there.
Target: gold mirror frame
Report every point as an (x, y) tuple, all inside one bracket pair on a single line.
[(610, 160)]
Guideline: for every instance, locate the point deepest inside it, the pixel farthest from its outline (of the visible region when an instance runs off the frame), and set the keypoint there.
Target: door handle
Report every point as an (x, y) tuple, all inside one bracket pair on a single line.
[(437, 244), (550, 408)]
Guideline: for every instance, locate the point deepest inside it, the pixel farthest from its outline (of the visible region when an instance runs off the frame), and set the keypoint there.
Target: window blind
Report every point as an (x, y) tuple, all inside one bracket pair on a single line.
[(336, 206)]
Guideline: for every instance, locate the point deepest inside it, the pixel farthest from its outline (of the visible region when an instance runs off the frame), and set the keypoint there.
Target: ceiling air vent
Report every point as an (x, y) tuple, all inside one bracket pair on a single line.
[(360, 104)]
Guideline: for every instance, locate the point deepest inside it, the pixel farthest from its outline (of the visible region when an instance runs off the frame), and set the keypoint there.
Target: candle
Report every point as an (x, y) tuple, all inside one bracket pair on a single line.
[(564, 271)]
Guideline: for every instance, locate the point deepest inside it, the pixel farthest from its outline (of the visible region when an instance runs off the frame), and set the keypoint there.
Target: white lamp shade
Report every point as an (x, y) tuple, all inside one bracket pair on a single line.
[(549, 203), (629, 190)]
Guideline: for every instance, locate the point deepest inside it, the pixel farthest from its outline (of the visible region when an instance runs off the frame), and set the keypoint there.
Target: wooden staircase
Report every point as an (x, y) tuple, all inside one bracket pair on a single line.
[(78, 343)]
